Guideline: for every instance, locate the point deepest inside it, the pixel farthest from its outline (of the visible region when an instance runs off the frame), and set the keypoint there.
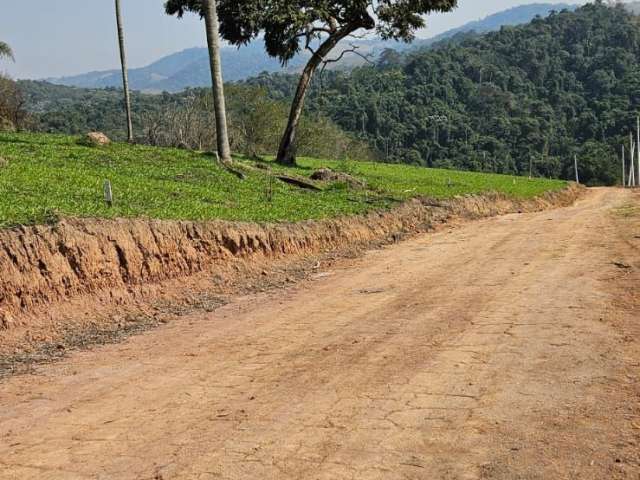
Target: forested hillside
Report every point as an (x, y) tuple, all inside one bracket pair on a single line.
[(510, 17), (525, 97)]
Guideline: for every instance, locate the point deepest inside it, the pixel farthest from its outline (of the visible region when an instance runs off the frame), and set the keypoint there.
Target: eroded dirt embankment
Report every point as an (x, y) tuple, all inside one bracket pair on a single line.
[(71, 272)]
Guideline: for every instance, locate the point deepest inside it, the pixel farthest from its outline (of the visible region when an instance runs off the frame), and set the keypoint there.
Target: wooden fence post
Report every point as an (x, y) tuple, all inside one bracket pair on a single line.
[(108, 193)]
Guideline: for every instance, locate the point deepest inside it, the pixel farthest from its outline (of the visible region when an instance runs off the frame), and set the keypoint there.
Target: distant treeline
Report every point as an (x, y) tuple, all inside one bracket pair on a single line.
[(184, 119)]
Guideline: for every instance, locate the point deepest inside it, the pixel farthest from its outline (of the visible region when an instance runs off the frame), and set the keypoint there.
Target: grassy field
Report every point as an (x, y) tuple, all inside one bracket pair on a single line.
[(46, 177)]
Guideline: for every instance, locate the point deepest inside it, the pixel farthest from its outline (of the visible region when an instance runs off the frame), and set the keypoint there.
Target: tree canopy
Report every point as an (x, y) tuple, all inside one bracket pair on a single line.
[(5, 50), (290, 26)]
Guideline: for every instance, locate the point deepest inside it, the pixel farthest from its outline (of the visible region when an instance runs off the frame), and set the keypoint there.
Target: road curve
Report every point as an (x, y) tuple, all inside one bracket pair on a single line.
[(503, 349)]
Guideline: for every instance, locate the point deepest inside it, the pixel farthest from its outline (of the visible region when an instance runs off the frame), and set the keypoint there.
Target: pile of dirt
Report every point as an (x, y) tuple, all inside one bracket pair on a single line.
[(328, 175), (54, 274), (95, 139)]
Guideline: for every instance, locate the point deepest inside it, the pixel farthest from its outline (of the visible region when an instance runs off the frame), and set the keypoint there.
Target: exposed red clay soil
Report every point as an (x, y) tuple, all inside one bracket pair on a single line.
[(506, 349), (115, 274)]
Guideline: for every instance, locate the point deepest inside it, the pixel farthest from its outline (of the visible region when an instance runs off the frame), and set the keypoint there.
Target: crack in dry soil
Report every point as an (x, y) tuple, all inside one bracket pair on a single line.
[(463, 366)]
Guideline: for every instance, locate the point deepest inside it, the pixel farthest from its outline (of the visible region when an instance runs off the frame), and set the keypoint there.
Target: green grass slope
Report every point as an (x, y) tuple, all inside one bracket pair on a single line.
[(46, 177)]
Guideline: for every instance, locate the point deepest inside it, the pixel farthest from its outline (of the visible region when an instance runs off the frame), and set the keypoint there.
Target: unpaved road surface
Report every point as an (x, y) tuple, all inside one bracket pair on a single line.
[(503, 349)]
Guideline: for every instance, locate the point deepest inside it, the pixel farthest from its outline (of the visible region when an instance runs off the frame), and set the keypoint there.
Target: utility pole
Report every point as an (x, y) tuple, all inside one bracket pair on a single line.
[(575, 159), (638, 149), (624, 173), (632, 156)]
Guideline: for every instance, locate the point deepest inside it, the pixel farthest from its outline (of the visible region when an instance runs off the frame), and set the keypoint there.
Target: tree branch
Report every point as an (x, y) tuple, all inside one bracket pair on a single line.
[(354, 50)]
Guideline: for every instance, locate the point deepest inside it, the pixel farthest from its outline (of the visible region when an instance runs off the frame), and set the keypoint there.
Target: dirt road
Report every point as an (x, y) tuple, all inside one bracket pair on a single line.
[(504, 349)]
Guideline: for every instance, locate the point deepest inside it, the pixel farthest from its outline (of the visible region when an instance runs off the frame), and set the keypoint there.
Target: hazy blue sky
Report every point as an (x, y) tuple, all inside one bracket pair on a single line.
[(64, 37)]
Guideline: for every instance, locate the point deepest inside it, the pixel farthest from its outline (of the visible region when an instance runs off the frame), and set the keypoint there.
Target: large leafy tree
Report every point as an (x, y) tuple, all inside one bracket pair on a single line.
[(318, 26), (208, 9), (5, 51)]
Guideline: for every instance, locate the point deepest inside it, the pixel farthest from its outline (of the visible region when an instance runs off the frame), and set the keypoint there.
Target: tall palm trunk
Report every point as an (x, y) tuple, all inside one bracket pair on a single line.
[(213, 42), (125, 75)]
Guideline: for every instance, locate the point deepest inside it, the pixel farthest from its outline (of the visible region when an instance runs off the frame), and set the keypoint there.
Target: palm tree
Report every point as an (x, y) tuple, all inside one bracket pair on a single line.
[(210, 12), (125, 75), (5, 51)]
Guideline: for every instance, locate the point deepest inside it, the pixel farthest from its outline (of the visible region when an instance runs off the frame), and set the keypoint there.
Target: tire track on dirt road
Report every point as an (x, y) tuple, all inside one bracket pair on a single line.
[(495, 350)]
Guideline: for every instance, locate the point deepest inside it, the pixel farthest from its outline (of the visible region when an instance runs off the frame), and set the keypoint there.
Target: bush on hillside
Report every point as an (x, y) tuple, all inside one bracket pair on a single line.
[(255, 123)]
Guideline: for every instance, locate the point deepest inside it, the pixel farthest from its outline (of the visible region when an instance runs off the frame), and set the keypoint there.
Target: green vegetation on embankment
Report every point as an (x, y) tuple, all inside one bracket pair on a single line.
[(46, 177)]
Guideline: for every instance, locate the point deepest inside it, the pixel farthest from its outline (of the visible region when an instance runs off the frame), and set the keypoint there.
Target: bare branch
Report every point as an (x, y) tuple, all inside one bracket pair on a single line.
[(359, 36), (354, 49)]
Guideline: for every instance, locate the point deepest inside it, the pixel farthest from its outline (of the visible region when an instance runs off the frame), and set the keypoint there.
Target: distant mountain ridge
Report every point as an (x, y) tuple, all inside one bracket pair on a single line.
[(511, 17), (190, 68)]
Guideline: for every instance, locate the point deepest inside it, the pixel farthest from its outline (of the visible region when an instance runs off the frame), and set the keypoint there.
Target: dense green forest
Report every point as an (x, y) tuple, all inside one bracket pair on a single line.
[(527, 96)]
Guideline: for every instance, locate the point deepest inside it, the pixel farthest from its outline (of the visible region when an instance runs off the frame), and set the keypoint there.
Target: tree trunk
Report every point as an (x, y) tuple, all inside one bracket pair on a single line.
[(213, 41), (125, 75), (287, 150)]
